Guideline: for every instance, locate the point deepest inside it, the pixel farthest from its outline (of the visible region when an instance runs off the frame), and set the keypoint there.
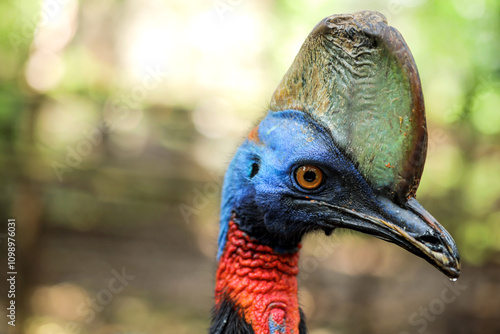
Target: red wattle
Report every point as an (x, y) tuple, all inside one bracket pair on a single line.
[(261, 282)]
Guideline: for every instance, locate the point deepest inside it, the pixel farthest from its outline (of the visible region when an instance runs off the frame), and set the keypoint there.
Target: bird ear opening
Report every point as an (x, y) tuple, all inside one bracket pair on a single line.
[(255, 169)]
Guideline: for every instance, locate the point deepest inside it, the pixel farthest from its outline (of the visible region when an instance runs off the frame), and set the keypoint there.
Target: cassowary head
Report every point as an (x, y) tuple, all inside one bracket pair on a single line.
[(342, 146)]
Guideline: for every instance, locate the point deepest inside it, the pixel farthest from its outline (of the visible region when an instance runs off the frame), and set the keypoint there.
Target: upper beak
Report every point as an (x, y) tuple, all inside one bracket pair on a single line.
[(409, 226)]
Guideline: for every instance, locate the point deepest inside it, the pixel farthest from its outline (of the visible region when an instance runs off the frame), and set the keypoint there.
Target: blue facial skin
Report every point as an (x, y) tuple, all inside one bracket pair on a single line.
[(270, 206)]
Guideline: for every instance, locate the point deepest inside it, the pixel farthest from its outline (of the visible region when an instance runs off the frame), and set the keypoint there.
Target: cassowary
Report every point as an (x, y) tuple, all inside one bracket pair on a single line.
[(342, 146)]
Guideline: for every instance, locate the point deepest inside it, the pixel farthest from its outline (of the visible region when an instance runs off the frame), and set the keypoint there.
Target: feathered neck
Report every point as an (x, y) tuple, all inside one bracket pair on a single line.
[(260, 285)]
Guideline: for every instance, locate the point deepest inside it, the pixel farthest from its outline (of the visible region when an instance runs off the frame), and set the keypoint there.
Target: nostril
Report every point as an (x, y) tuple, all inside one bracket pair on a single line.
[(430, 240)]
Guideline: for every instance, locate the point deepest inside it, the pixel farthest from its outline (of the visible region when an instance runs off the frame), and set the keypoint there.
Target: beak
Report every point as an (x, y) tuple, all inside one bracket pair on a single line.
[(409, 225)]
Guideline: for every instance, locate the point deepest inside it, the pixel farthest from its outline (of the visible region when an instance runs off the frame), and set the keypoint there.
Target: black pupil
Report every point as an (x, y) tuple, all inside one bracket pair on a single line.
[(309, 176)]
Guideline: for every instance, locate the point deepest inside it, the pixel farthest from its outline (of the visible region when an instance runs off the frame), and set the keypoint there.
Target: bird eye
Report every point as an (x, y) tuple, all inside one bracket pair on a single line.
[(309, 177)]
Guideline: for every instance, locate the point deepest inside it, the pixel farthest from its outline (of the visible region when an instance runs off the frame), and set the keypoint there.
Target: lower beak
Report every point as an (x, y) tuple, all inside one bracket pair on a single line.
[(409, 226)]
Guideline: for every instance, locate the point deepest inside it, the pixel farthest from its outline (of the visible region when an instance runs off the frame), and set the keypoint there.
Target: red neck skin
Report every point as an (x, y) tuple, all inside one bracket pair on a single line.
[(261, 282)]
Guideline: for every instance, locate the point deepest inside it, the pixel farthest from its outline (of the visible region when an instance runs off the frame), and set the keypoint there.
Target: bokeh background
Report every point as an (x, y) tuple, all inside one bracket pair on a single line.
[(118, 119)]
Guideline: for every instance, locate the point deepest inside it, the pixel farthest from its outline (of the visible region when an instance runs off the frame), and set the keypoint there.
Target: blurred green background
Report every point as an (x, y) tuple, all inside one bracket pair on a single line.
[(118, 119)]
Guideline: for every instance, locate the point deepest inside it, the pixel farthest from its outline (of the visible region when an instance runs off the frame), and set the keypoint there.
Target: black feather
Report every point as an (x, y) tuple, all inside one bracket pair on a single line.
[(227, 319), (302, 324)]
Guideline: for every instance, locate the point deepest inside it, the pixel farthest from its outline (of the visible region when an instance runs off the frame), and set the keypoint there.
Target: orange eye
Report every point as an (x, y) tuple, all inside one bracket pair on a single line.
[(309, 177)]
